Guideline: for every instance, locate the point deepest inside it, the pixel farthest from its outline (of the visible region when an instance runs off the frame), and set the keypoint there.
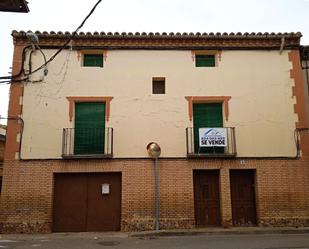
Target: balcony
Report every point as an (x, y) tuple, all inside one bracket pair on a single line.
[(87, 143), (226, 149)]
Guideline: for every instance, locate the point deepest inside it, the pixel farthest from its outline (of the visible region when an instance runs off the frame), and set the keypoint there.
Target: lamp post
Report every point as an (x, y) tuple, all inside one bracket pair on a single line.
[(154, 152), (34, 40)]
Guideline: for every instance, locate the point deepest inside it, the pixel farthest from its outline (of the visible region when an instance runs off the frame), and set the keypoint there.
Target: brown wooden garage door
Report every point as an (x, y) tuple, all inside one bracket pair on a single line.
[(206, 198), (243, 197), (79, 204)]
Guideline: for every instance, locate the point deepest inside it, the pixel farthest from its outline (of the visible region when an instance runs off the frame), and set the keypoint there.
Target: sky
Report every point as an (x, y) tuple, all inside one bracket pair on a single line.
[(151, 16)]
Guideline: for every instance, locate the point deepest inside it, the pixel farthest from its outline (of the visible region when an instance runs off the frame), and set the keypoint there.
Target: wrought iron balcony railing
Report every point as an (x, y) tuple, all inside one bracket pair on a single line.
[(87, 142), (214, 146)]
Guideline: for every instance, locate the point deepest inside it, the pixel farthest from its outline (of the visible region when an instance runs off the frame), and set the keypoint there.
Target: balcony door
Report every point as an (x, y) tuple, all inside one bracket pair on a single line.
[(206, 115), (89, 135)]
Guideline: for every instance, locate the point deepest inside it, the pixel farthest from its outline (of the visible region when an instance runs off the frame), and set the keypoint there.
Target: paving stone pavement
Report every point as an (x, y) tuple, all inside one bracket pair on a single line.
[(249, 238)]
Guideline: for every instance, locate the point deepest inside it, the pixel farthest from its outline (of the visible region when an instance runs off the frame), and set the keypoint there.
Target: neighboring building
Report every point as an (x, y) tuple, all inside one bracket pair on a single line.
[(2, 146), (305, 65), (83, 164), (14, 6)]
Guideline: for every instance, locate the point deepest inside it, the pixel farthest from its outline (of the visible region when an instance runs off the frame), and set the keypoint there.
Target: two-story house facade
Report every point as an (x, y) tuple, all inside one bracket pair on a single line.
[(228, 111)]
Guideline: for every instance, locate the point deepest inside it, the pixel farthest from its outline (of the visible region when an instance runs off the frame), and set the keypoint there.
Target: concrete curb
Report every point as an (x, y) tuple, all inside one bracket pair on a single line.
[(67, 235), (214, 231), (160, 233)]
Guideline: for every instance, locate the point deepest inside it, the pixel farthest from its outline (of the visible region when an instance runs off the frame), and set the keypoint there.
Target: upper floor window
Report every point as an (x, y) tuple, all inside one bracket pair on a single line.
[(158, 85), (93, 60), (205, 60)]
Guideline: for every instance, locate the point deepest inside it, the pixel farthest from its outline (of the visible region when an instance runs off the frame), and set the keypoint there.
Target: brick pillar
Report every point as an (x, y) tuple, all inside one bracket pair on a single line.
[(226, 206), (15, 109)]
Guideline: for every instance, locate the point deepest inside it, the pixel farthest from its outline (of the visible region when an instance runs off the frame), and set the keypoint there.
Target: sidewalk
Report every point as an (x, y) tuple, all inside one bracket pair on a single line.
[(222, 231), (161, 233)]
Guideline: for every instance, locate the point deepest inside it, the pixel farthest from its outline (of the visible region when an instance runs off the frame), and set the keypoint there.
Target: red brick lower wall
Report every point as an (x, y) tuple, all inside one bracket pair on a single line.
[(282, 191)]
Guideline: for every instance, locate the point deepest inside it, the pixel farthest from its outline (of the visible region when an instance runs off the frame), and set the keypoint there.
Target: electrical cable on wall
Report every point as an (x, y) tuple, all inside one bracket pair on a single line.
[(21, 68), (11, 79), (57, 85)]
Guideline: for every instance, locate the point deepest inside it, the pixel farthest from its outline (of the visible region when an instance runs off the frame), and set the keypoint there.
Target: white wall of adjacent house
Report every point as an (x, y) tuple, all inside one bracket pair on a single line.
[(261, 105), (2, 131)]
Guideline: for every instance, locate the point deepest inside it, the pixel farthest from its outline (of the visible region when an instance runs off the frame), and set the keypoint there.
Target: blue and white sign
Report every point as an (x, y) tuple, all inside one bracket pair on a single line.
[(210, 137)]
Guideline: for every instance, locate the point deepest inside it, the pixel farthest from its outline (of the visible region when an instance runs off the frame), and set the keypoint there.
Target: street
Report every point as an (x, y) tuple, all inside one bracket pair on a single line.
[(122, 241)]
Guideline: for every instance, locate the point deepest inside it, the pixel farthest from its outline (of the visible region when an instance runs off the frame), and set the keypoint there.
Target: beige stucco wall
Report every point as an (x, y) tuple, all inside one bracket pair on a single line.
[(261, 107)]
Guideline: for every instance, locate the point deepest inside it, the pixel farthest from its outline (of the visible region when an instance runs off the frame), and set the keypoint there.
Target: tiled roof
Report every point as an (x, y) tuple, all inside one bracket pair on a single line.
[(211, 35), (189, 41)]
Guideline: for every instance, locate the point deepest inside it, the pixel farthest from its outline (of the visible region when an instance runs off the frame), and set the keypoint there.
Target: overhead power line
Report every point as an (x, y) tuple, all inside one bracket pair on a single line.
[(12, 78)]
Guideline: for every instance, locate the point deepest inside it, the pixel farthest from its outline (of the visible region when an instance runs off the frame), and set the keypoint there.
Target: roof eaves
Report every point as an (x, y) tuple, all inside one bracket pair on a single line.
[(163, 35)]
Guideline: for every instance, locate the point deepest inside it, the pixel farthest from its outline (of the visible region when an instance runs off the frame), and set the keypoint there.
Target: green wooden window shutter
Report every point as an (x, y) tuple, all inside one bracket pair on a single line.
[(206, 115), (89, 135), (205, 60), (93, 60)]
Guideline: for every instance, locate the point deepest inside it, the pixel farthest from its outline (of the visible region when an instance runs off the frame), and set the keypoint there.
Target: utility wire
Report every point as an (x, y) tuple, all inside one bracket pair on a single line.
[(12, 81), (69, 40), (5, 82), (55, 54), (21, 68)]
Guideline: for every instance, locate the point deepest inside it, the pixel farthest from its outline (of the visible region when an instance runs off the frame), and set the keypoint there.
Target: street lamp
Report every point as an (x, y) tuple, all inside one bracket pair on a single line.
[(34, 40), (154, 152)]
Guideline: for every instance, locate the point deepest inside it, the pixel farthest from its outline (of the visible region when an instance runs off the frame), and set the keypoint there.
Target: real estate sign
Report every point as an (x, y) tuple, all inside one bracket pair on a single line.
[(210, 137)]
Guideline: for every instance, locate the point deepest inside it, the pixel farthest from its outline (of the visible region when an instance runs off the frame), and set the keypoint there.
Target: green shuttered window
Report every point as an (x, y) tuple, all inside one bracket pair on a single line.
[(205, 60), (206, 116), (89, 128), (93, 60)]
